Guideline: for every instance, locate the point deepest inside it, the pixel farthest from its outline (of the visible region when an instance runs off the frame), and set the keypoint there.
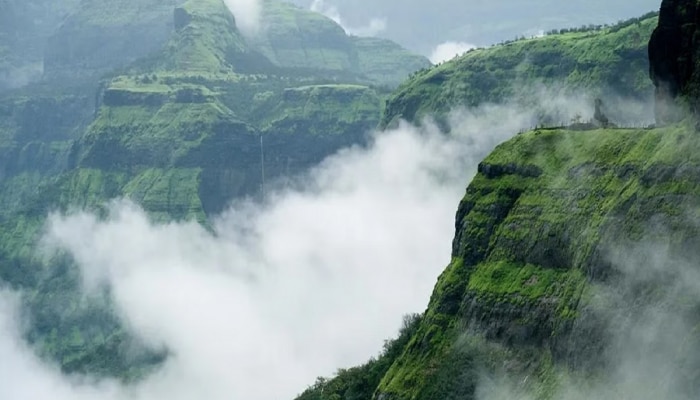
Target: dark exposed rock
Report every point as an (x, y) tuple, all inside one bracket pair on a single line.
[(116, 97), (673, 58), (181, 18), (495, 171), (599, 116)]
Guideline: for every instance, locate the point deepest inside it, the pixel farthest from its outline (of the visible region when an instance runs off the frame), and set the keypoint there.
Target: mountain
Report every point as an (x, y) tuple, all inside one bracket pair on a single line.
[(25, 27), (534, 233), (608, 62), (171, 105), (574, 260), (168, 104)]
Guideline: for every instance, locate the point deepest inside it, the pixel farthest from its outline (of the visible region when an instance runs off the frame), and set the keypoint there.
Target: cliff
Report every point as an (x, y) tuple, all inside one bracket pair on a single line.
[(532, 237), (573, 250)]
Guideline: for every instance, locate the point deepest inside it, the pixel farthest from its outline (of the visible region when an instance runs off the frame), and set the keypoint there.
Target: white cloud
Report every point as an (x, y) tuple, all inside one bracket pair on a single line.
[(449, 50), (247, 14), (373, 28)]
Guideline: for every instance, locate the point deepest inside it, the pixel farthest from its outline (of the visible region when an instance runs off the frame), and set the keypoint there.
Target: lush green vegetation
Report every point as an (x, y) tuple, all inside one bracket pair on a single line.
[(612, 28), (531, 231), (359, 383), (284, 40), (122, 12), (611, 60), (333, 108), (177, 128), (164, 105), (529, 228)]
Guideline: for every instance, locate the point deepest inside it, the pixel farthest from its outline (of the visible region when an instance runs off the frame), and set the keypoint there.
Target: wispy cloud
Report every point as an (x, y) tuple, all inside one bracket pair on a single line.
[(449, 50), (372, 28), (247, 14)]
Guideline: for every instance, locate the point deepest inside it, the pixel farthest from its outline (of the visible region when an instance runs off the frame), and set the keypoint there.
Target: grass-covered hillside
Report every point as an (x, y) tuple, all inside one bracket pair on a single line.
[(574, 262), (605, 62), (537, 234), (302, 40)]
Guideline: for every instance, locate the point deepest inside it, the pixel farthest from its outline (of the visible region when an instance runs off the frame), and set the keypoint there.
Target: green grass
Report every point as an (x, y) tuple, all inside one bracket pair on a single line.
[(385, 62), (170, 194), (122, 12), (323, 110), (514, 282), (600, 62), (526, 242)]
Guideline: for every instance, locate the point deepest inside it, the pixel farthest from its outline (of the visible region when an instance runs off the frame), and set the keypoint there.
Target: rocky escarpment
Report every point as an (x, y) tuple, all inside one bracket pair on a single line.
[(534, 234), (673, 59)]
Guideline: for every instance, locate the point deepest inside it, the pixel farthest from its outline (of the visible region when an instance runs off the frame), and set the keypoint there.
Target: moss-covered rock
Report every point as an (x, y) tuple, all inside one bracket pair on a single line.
[(528, 246)]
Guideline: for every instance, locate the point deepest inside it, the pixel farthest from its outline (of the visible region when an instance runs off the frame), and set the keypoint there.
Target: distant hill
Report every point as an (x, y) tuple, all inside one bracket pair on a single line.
[(607, 62)]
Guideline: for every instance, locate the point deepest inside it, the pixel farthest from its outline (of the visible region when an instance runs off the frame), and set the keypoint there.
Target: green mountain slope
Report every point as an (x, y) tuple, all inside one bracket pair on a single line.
[(165, 103), (533, 231), (610, 61), (102, 35), (174, 115), (566, 245), (519, 277), (573, 252), (298, 39), (385, 61)]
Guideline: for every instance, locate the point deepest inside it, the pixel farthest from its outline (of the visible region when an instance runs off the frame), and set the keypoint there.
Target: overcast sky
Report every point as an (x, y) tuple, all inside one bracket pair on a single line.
[(422, 25)]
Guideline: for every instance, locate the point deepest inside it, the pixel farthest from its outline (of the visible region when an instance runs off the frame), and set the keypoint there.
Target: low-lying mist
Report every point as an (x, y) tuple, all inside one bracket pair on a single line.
[(247, 14), (275, 294)]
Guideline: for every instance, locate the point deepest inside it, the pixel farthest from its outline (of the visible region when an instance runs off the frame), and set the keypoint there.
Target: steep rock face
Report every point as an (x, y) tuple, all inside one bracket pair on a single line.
[(203, 102), (673, 56), (36, 132), (323, 110), (533, 237)]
